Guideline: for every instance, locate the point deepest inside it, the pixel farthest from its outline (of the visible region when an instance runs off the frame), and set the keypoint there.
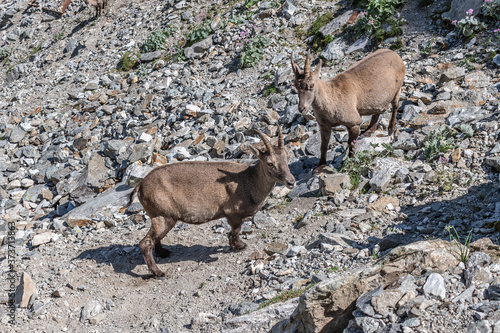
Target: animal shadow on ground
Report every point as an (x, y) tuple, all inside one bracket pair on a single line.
[(125, 258), (474, 212)]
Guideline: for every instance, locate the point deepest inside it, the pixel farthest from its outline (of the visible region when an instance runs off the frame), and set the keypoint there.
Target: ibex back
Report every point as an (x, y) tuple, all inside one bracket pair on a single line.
[(366, 88), (197, 192)]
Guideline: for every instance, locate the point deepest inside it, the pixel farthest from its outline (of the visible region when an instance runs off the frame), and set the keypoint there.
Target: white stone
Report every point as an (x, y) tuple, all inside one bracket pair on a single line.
[(434, 286), (145, 137), (42, 238)]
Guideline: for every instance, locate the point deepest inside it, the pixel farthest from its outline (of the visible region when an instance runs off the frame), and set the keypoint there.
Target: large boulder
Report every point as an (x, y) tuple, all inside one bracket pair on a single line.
[(329, 305)]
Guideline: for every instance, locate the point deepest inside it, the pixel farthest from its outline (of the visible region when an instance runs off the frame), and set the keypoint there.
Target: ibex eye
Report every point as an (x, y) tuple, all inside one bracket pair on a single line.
[(270, 164)]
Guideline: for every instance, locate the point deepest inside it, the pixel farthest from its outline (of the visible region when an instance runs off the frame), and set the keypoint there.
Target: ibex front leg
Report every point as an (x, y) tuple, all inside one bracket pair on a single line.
[(326, 133), (234, 235)]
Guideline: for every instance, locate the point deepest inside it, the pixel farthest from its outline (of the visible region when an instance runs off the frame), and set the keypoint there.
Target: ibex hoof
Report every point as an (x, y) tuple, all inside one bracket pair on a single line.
[(238, 246), (319, 169), (158, 274)]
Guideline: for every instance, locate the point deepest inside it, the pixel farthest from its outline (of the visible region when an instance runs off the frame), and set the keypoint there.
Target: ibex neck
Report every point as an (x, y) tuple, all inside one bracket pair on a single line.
[(263, 184), (322, 95)]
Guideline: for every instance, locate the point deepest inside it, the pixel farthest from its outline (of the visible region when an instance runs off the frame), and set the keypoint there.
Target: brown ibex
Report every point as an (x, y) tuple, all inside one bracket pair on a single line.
[(366, 88), (98, 4), (196, 192)]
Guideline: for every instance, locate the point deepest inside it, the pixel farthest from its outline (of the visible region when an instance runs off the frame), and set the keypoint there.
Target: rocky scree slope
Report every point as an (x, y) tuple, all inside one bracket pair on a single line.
[(77, 132)]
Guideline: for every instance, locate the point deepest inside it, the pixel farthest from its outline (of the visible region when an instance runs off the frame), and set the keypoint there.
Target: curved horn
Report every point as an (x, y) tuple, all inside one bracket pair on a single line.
[(268, 144), (281, 141), (296, 70), (307, 65)]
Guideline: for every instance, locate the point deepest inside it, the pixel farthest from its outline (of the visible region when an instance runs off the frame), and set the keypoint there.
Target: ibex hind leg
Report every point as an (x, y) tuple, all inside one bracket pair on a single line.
[(395, 104), (234, 235), (373, 125), (160, 226)]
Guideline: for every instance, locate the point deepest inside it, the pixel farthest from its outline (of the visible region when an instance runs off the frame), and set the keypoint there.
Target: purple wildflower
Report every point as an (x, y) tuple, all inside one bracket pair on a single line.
[(470, 11)]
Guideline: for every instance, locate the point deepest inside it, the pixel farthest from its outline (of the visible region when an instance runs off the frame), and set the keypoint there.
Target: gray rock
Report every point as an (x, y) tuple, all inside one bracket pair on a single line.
[(474, 268), (464, 115), (482, 326), (435, 286), (262, 320), (410, 111), (360, 44), (336, 24), (386, 301), (363, 303), (477, 80), (71, 45), (24, 290), (331, 184), (381, 179), (16, 135), (91, 309), (198, 49), (150, 56), (262, 221), (496, 60), (466, 295), (334, 50), (34, 194), (114, 148), (368, 324), (288, 9), (451, 74), (493, 292), (243, 308), (460, 7), (493, 162), (117, 197), (296, 250)]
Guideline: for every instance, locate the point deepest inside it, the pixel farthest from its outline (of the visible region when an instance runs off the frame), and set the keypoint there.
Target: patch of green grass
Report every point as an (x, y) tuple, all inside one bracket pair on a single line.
[(378, 19), (156, 40), (250, 3), (271, 89), (463, 250), (199, 33), (357, 166), (320, 22), (439, 141), (4, 53), (319, 41), (58, 36), (396, 45), (253, 51), (333, 269), (128, 61), (285, 296)]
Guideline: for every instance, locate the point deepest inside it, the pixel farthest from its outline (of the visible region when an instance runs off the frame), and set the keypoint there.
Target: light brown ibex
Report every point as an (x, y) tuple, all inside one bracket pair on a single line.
[(196, 192), (98, 4), (366, 88)]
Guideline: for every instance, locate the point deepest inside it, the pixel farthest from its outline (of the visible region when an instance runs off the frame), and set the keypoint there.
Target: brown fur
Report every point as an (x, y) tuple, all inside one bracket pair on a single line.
[(366, 88), (98, 4), (197, 192)]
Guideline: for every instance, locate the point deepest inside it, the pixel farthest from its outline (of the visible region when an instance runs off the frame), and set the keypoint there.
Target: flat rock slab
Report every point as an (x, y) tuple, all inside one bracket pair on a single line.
[(116, 197)]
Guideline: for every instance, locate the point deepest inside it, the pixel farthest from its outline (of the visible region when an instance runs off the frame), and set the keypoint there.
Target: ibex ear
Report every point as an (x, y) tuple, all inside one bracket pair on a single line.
[(317, 70), (255, 151)]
